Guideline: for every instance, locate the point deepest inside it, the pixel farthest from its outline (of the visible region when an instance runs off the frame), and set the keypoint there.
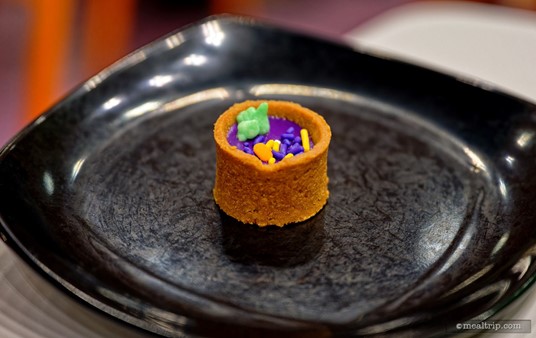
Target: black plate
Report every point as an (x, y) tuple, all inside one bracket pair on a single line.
[(430, 219)]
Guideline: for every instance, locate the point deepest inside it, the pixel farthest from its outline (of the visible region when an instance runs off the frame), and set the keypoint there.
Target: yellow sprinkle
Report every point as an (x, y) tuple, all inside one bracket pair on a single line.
[(305, 140), (271, 160), (289, 155), (270, 144), (276, 145)]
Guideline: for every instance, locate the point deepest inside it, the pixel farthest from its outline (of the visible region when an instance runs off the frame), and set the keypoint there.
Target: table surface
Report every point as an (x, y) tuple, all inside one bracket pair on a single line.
[(484, 44)]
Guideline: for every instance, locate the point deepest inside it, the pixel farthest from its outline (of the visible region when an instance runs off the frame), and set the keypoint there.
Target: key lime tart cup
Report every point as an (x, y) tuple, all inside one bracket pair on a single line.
[(271, 162)]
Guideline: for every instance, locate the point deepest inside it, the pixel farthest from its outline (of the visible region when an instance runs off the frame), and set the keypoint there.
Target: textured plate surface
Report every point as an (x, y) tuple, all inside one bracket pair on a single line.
[(429, 220)]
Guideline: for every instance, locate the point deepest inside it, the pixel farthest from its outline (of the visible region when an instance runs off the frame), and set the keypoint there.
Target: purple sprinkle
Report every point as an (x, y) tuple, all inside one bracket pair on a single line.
[(290, 130), (246, 144), (278, 155), (286, 142), (287, 136), (295, 149), (248, 150), (259, 139), (297, 139), (283, 148)]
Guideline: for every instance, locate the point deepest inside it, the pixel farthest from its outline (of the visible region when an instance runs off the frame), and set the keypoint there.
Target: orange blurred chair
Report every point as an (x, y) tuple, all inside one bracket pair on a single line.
[(105, 28)]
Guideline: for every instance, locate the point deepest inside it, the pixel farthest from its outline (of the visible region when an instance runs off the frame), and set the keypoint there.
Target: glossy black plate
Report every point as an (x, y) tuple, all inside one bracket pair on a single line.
[(430, 219)]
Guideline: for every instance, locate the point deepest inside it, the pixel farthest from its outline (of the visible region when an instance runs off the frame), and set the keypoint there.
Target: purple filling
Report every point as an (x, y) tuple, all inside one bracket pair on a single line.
[(278, 127)]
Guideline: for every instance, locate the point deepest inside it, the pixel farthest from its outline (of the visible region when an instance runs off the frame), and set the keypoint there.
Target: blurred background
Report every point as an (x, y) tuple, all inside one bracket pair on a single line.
[(48, 47)]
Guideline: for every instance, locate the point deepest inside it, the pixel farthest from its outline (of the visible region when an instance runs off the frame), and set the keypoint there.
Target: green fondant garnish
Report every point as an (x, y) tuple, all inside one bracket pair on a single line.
[(247, 130), (253, 122)]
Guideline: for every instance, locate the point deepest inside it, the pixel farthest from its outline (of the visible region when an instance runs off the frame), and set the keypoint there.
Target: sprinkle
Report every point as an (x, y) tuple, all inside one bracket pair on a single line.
[(289, 155), (287, 137), (286, 142), (246, 144), (297, 139), (271, 160), (270, 144), (283, 148), (262, 151), (295, 149), (276, 145), (278, 155), (259, 139), (290, 130), (305, 139), (248, 150)]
